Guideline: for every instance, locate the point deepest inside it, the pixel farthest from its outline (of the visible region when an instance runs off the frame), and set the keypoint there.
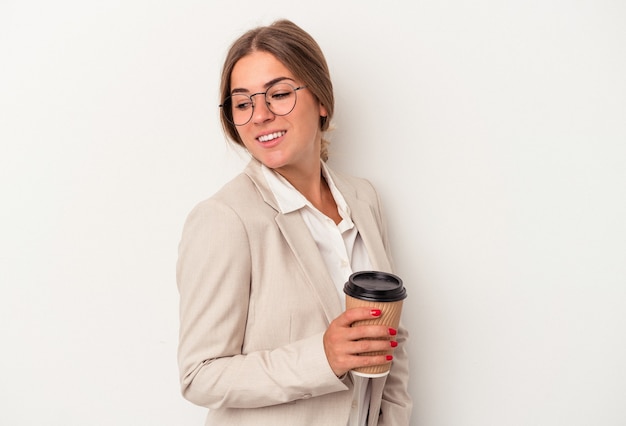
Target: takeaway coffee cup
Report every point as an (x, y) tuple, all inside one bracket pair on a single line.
[(380, 290)]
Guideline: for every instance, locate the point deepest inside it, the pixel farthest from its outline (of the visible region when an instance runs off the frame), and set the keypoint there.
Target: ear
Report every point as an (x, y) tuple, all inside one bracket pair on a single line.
[(323, 111)]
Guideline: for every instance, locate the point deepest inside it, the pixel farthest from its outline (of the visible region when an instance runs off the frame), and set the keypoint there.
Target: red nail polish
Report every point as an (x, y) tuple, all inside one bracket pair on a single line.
[(375, 312), (389, 357), (393, 331), (393, 343)]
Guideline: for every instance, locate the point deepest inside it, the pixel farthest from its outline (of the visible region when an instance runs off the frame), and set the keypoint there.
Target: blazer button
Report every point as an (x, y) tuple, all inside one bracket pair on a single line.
[(306, 396)]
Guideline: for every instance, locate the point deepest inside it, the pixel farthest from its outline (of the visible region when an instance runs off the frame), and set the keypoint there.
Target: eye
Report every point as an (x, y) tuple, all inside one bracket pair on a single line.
[(241, 102), (243, 105), (281, 94)]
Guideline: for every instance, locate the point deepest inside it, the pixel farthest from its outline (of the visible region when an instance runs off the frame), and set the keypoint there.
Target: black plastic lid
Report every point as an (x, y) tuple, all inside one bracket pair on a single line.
[(375, 286)]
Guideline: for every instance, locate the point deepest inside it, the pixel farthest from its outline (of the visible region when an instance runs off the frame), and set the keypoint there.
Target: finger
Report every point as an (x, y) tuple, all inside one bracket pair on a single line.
[(358, 314), (362, 347), (359, 361), (371, 332)]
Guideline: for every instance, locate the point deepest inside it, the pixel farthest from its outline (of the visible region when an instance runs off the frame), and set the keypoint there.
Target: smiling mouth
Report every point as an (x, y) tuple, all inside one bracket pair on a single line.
[(271, 136)]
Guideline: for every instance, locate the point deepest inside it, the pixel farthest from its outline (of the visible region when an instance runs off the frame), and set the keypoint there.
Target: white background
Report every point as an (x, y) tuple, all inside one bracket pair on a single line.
[(495, 132)]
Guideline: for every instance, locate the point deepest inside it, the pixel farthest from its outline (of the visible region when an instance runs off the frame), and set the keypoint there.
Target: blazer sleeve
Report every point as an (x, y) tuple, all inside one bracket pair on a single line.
[(213, 277)]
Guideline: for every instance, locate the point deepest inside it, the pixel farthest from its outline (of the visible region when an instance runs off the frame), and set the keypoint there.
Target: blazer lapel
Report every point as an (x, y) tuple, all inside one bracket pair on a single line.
[(303, 246), (366, 223), (308, 255)]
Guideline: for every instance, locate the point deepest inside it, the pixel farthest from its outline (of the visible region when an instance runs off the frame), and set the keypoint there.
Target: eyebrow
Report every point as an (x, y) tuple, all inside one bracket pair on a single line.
[(266, 85)]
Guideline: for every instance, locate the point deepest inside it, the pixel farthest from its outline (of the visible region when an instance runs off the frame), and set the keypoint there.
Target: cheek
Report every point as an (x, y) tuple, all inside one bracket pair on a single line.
[(310, 114), (243, 133)]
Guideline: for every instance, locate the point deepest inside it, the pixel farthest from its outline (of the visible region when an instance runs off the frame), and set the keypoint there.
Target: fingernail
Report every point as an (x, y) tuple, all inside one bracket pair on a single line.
[(393, 331), (375, 312), (389, 357), (393, 343)]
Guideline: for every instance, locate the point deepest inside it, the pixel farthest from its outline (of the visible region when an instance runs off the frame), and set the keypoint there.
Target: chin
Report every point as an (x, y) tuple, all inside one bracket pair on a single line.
[(271, 162)]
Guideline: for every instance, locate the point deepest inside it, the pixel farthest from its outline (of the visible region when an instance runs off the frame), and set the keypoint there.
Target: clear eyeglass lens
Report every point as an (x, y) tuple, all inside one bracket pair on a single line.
[(279, 98)]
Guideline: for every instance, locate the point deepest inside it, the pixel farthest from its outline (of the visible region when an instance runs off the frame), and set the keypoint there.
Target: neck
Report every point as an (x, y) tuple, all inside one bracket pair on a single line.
[(307, 181), (315, 189)]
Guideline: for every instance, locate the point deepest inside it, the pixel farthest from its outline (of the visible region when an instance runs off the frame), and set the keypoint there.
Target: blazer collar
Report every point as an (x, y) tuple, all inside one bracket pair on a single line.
[(369, 228), (253, 170), (303, 246)]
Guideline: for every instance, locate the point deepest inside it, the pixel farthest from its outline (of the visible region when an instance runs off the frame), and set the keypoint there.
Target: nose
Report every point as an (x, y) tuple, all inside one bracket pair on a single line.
[(261, 112)]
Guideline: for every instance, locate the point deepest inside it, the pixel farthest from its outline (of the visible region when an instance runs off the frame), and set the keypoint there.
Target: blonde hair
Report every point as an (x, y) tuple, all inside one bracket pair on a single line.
[(297, 51)]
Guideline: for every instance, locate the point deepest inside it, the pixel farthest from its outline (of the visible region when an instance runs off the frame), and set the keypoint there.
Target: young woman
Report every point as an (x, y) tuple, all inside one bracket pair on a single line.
[(264, 335)]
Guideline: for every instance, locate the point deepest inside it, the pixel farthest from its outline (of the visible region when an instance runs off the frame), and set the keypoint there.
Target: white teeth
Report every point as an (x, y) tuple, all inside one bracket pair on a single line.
[(267, 138)]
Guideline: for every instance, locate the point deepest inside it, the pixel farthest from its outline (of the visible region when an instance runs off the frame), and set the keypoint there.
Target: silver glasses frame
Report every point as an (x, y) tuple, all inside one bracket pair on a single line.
[(229, 118)]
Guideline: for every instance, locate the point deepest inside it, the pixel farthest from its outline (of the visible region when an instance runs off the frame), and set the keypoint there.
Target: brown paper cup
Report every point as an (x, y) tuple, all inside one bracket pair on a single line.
[(390, 317), (376, 290)]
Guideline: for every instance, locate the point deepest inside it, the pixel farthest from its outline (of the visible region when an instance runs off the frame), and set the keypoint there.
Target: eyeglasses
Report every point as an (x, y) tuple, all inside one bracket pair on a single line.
[(280, 99)]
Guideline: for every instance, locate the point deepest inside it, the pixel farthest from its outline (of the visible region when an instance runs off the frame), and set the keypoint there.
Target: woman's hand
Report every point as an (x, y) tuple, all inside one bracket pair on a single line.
[(343, 343)]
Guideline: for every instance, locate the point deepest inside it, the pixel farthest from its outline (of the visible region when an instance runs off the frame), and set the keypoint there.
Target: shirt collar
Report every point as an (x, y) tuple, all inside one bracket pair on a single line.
[(289, 199)]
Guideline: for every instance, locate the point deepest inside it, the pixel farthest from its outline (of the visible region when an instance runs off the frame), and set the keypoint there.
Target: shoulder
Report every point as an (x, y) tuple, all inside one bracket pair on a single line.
[(238, 195), (240, 201), (355, 186), (240, 191)]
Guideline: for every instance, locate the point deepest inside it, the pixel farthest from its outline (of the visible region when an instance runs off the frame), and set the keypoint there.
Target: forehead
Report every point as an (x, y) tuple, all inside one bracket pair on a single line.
[(254, 71)]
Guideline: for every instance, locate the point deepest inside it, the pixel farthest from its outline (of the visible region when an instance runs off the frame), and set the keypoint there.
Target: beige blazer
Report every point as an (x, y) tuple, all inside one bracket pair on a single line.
[(255, 301)]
